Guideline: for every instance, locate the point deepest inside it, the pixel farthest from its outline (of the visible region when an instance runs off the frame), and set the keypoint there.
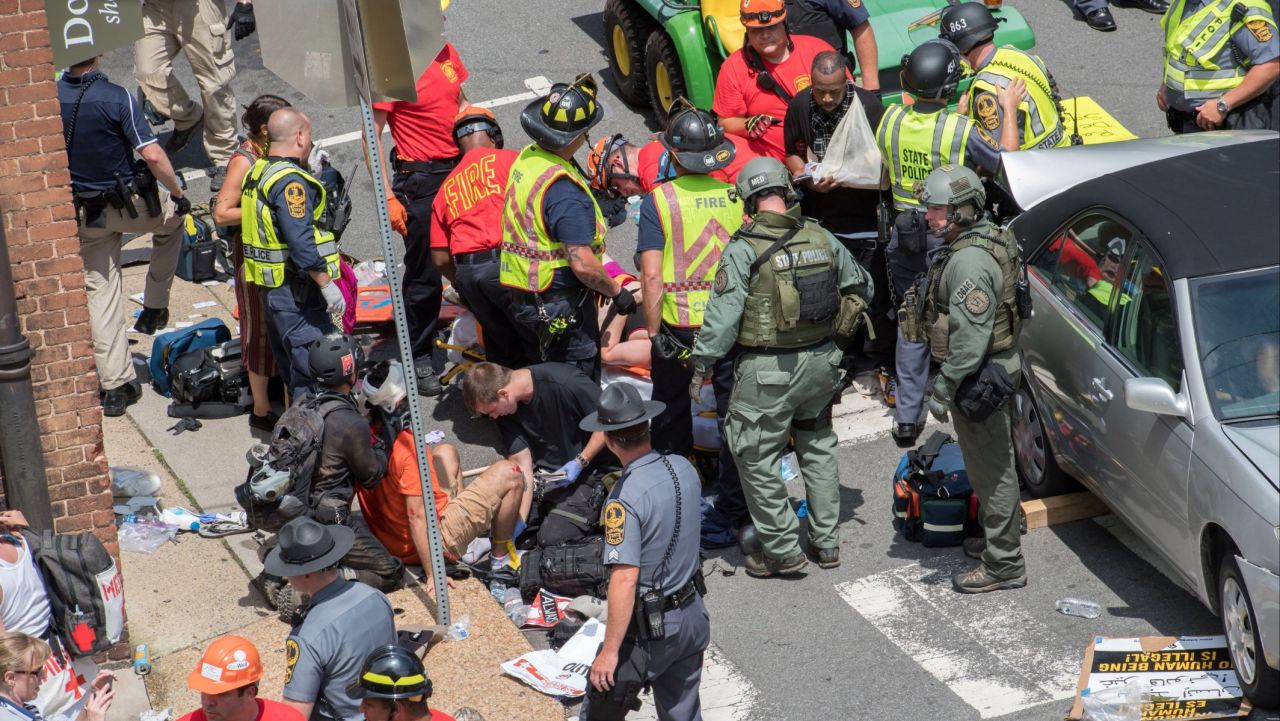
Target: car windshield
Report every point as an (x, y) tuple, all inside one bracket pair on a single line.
[(1237, 320)]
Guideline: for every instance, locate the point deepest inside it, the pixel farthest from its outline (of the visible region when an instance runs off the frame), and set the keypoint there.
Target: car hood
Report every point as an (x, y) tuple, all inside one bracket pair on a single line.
[(1261, 445)]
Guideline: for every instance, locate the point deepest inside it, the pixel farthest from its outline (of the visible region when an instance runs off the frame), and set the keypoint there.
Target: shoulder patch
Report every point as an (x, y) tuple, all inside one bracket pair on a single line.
[(615, 518), (963, 291), (977, 301), (722, 281), (986, 137), (985, 107), (295, 196), (291, 653), (1260, 29)]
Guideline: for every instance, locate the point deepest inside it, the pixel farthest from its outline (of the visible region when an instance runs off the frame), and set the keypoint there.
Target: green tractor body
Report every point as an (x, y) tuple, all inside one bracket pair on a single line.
[(663, 49)]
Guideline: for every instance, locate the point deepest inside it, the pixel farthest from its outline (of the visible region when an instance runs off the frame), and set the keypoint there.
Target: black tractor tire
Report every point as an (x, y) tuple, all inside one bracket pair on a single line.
[(1240, 622), (661, 61), (627, 28), (1033, 456)]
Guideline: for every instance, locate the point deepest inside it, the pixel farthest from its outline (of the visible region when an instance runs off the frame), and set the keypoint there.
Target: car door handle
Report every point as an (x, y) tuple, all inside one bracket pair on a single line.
[(1099, 391)]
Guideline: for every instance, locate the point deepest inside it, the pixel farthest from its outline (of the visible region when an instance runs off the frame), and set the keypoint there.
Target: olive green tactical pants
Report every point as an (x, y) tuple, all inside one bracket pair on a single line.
[(770, 394), (987, 448)]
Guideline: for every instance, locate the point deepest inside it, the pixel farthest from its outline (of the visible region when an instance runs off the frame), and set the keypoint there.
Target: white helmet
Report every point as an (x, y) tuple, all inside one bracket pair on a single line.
[(390, 392)]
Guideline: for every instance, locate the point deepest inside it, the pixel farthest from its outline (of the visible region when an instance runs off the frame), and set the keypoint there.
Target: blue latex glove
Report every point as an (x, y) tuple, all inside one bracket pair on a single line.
[(571, 471)]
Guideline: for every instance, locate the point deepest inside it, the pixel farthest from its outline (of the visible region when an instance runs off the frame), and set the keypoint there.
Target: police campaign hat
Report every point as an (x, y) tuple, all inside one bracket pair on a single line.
[(967, 25), (696, 140), (306, 546), (620, 406), (568, 111), (391, 672)]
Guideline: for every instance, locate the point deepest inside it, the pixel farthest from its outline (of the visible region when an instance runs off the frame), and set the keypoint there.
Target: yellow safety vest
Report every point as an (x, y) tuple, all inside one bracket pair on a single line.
[(1042, 127), (266, 256), (1198, 62), (697, 219), (530, 256), (914, 143)]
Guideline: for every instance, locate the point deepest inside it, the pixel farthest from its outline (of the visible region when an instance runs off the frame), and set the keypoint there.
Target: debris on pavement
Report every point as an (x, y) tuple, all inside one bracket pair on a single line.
[(560, 673)]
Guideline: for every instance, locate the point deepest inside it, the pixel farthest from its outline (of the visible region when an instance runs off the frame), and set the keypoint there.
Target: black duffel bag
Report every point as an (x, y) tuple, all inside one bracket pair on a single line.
[(569, 569)]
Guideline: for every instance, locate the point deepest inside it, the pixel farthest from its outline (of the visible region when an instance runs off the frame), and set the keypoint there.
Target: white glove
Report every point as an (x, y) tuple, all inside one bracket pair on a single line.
[(333, 298)]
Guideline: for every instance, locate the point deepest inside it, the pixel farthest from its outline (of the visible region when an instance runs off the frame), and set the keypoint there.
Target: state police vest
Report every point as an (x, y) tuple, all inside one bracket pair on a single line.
[(1008, 324), (804, 20), (1198, 61), (913, 144), (530, 256), (1042, 127), (266, 256), (793, 297), (697, 219)]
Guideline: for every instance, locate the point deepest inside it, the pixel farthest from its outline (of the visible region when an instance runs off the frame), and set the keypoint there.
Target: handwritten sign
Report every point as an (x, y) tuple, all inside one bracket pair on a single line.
[(1094, 124), (1186, 678)]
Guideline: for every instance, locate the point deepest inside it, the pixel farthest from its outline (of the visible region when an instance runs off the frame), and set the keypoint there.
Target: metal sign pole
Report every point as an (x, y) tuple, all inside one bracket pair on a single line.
[(417, 422)]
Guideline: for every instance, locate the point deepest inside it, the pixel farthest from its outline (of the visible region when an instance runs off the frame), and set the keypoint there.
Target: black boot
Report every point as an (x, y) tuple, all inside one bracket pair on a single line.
[(151, 319), (116, 400), (428, 382)]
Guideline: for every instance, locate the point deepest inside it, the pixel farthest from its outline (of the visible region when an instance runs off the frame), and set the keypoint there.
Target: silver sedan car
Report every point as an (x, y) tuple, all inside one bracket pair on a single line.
[(1152, 360)]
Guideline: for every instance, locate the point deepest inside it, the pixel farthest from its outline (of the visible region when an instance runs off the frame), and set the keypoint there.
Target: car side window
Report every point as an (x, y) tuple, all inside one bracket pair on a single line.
[(1072, 264), (1145, 331)]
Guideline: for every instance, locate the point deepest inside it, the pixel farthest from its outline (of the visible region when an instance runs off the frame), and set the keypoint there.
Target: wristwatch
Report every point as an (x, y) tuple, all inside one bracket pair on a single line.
[(1223, 107)]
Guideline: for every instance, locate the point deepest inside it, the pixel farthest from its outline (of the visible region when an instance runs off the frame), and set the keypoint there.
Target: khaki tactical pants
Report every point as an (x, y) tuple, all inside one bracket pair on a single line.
[(100, 248), (987, 448), (771, 393), (198, 29)]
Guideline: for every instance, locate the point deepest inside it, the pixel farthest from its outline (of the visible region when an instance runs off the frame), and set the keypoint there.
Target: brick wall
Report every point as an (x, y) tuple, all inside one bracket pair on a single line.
[(40, 226)]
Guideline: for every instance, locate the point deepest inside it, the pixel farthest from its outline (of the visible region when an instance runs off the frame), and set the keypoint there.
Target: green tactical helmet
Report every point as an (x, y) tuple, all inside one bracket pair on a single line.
[(953, 185), (761, 174)]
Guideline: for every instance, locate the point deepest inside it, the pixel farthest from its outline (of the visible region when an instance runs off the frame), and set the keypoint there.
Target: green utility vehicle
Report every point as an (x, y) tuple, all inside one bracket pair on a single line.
[(660, 50)]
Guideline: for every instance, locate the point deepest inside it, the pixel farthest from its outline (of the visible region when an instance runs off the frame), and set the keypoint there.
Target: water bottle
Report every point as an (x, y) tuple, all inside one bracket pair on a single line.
[(499, 592), (633, 208), (1078, 607), (182, 518), (513, 606), (788, 467), (460, 629)]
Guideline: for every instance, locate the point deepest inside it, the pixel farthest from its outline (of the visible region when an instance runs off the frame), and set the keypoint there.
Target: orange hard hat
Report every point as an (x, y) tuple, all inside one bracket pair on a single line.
[(228, 663), (599, 172), (762, 13)]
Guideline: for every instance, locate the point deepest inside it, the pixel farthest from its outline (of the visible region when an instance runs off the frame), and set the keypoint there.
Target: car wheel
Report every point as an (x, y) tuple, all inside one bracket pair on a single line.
[(1031, 450), (627, 29), (1260, 682), (666, 79)]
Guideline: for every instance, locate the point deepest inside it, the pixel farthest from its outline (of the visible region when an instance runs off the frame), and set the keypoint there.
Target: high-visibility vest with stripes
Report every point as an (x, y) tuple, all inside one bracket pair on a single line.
[(530, 256), (1198, 58), (1042, 118), (914, 143), (266, 255), (697, 220)]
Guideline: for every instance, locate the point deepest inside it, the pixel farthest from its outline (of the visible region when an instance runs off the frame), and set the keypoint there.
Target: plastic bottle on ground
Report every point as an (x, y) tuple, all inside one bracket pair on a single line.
[(513, 605), (1078, 607), (460, 629), (182, 518)]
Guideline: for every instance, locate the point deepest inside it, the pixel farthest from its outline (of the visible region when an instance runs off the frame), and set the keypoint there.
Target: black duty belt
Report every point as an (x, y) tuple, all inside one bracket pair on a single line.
[(479, 256), (785, 351), (682, 597), (547, 296), (423, 166)]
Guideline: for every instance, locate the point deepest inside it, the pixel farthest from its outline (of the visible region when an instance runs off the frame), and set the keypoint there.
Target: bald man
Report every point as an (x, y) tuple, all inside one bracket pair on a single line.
[(289, 252)]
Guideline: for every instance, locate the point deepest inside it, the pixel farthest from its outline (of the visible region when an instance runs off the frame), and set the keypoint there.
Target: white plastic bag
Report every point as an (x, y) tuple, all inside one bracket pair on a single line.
[(853, 158), (144, 537)]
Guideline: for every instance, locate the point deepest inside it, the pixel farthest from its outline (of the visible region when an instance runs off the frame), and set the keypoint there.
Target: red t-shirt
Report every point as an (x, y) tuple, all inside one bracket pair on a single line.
[(738, 94), (268, 710), (424, 130), (467, 213), (729, 173), (384, 507), (650, 165)]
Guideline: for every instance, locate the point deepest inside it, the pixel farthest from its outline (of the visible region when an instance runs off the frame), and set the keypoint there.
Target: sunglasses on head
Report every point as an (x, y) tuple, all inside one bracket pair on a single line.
[(764, 16)]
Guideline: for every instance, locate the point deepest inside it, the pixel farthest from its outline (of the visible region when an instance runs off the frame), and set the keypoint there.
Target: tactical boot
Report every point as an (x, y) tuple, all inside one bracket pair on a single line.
[(178, 139), (216, 178), (151, 319), (428, 383), (973, 547), (116, 400), (977, 580), (827, 557), (291, 605), (759, 565), (905, 434)]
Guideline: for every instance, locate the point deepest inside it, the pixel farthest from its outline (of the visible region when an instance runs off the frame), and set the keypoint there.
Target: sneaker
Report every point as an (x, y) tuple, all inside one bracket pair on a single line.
[(758, 565), (151, 319), (116, 400), (888, 386), (264, 423), (428, 382), (827, 557), (178, 139), (973, 547), (977, 580)]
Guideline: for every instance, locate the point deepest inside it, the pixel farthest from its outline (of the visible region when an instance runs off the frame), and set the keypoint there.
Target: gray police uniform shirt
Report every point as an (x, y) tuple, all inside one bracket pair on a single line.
[(1257, 44), (324, 654), (640, 520)]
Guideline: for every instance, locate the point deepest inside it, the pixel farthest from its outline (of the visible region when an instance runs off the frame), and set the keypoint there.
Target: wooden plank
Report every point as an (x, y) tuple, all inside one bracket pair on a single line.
[(1042, 512)]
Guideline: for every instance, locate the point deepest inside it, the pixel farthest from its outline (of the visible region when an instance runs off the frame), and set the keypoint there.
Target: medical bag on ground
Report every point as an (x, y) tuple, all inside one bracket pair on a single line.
[(196, 259), (86, 593), (570, 569), (209, 382), (933, 502), (167, 348)]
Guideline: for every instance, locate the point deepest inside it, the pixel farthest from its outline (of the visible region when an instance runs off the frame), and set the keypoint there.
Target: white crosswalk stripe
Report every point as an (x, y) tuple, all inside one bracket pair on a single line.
[(982, 647)]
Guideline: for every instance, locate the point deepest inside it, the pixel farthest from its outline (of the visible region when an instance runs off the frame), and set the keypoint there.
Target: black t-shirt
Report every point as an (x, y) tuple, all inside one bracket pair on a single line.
[(548, 424), (843, 210)]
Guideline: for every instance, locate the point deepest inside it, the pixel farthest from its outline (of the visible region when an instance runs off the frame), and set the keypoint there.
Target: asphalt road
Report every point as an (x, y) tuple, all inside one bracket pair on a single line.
[(882, 637)]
